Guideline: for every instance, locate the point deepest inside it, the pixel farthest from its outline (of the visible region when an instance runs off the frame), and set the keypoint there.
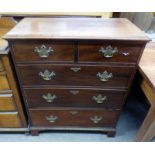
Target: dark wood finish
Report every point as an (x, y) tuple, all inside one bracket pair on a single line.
[(65, 97), (82, 118), (63, 51), (85, 77), (89, 52), (85, 37), (76, 28)]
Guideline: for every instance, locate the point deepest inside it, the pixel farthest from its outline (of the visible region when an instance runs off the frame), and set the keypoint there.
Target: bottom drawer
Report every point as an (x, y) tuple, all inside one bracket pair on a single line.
[(9, 120), (74, 118)]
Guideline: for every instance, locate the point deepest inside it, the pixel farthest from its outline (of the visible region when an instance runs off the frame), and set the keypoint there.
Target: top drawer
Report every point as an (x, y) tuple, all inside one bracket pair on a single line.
[(109, 52), (43, 50)]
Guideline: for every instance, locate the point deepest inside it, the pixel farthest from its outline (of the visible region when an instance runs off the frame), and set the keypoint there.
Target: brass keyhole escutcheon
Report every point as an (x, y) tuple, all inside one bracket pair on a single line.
[(75, 69)]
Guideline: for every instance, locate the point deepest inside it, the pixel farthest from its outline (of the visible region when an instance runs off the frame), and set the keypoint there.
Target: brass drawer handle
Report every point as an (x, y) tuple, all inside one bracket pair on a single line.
[(73, 112), (47, 75), (75, 69), (99, 98), (43, 51), (104, 76), (49, 97), (108, 51), (96, 119), (51, 118), (74, 92)]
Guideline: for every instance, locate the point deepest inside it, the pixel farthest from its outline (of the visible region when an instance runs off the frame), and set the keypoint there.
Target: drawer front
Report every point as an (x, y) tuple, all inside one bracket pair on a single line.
[(9, 120), (106, 76), (74, 118), (44, 50), (56, 97), (6, 102), (4, 85), (109, 52)]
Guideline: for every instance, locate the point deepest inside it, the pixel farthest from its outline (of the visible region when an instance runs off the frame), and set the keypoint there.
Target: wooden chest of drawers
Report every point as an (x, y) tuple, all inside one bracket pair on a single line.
[(12, 116), (75, 74)]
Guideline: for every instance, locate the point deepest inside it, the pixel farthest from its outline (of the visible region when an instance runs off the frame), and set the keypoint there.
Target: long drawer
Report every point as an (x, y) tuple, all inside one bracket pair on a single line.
[(74, 118), (68, 97), (9, 120), (108, 52), (7, 102), (75, 75), (43, 50)]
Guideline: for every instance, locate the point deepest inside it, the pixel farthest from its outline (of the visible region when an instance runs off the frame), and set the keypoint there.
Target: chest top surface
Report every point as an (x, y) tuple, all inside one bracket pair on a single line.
[(76, 28)]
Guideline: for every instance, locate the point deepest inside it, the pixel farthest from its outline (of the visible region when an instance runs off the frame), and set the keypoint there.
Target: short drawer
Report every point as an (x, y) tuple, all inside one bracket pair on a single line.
[(108, 52), (76, 75), (7, 102), (9, 120), (4, 85), (74, 118), (69, 97), (43, 50)]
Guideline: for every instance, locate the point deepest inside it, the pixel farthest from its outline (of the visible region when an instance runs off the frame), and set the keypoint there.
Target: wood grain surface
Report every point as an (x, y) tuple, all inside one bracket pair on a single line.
[(76, 28), (9, 119), (24, 50), (81, 119), (73, 97), (87, 76)]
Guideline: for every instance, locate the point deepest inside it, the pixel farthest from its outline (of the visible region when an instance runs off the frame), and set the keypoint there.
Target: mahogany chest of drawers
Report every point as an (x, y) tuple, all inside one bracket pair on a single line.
[(75, 73)]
